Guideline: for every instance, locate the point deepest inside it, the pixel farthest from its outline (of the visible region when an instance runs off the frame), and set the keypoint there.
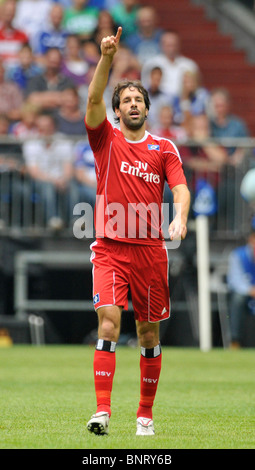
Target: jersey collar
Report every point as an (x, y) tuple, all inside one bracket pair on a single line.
[(138, 141)]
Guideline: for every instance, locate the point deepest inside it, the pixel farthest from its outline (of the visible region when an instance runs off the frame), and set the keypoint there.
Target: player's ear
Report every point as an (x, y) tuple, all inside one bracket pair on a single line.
[(117, 112)]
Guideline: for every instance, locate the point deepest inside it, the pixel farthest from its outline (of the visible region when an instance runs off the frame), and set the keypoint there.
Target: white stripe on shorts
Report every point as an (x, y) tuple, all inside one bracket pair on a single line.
[(113, 287)]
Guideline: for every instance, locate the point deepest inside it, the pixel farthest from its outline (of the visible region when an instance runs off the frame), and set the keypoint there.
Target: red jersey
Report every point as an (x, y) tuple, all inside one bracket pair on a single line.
[(130, 183), (11, 41)]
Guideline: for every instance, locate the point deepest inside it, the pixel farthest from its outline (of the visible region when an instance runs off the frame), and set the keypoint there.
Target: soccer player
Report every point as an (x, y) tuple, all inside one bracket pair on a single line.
[(130, 252)]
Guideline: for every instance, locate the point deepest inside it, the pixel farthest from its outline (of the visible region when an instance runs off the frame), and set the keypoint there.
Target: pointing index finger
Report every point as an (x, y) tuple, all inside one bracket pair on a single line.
[(119, 32)]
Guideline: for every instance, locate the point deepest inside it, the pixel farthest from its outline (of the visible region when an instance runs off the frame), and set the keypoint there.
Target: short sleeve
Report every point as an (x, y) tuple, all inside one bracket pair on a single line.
[(99, 136), (173, 166)]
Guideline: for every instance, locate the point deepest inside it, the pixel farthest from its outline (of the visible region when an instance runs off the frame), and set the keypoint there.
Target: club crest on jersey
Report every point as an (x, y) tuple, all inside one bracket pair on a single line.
[(96, 299), (153, 147)]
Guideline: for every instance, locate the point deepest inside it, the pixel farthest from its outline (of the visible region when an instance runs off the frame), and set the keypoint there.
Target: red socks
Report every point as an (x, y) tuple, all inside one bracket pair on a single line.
[(150, 367), (104, 369)]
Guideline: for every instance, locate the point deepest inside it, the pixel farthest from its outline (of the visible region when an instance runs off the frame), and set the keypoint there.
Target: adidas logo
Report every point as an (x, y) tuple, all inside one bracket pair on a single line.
[(164, 311)]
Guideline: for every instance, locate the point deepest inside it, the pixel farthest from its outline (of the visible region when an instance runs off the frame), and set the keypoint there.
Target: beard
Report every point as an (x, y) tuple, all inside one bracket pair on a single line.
[(133, 124)]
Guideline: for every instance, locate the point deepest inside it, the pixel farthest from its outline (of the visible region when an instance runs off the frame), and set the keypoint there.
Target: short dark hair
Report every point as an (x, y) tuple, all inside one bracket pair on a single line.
[(122, 85)]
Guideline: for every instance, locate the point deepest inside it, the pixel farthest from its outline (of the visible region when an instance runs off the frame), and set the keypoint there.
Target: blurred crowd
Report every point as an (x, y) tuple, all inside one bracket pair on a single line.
[(48, 53)]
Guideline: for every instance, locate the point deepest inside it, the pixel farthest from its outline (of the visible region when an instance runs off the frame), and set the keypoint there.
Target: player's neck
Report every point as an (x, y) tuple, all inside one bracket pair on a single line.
[(134, 135)]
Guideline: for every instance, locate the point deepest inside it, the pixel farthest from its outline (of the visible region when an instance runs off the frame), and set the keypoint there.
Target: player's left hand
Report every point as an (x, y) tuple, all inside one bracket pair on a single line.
[(177, 229)]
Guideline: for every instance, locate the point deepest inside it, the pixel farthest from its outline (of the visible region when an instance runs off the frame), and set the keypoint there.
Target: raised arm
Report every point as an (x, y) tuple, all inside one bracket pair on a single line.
[(96, 111)]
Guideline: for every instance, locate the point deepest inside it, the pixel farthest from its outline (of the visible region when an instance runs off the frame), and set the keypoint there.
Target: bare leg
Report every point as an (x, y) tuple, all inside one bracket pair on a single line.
[(109, 320), (150, 366)]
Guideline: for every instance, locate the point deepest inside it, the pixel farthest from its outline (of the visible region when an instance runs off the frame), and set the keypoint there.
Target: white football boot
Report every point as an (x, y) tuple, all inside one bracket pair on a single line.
[(99, 423), (145, 427)]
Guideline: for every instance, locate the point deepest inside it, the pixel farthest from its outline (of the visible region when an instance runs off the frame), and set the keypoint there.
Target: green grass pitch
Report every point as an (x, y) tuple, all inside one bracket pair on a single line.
[(204, 400)]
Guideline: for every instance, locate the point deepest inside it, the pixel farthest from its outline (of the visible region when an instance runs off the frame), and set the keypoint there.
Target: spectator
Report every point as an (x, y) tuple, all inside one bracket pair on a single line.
[(25, 69), (45, 90), (194, 99), (49, 164), (69, 118), (83, 89), (11, 97), (124, 14), (73, 65), (145, 44), (241, 281), (32, 16), (171, 62), (53, 35), (166, 128), (11, 39), (224, 124), (91, 55), (12, 183), (205, 160), (84, 183), (80, 18), (90, 51), (158, 98), (26, 127), (105, 27)]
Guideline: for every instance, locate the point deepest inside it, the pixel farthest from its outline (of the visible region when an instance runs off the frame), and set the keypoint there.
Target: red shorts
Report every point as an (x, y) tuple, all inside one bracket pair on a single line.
[(118, 266)]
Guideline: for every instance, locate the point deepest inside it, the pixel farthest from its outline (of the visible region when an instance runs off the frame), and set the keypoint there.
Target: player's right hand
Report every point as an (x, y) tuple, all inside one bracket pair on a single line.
[(109, 44)]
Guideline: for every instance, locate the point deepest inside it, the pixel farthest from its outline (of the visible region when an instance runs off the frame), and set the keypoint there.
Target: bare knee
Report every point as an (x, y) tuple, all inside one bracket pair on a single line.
[(148, 334), (108, 330), (109, 323)]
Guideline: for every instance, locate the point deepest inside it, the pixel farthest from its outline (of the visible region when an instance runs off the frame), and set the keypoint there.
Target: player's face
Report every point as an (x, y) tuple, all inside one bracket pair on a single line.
[(132, 110)]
